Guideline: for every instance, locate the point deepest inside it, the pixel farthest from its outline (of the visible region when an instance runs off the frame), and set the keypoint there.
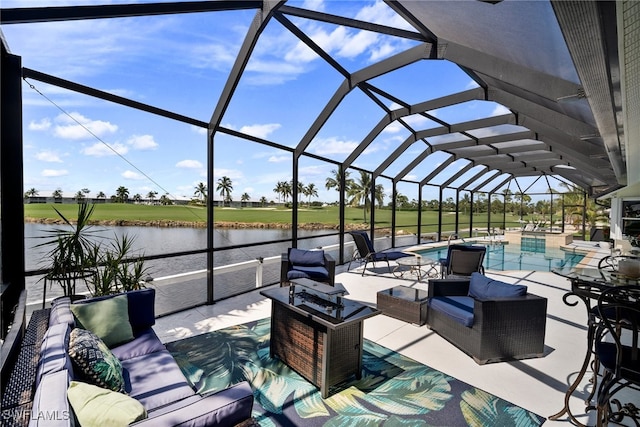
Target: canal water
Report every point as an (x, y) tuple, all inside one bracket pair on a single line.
[(163, 240)]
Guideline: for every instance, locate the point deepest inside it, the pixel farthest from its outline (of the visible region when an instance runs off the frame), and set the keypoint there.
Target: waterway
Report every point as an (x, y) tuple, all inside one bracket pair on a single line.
[(164, 240)]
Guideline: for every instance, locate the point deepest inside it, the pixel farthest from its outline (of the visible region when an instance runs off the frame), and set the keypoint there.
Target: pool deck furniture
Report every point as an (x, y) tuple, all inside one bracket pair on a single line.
[(317, 332), (310, 264), (152, 376), (367, 253), (464, 261), (420, 267), (491, 327), (587, 286), (404, 303)]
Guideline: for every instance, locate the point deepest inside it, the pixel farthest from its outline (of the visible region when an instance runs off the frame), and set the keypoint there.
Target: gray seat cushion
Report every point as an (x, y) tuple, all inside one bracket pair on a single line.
[(155, 380), (146, 343)]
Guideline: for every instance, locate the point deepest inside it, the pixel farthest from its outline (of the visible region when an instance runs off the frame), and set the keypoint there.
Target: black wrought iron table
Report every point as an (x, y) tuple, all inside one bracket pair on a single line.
[(419, 266), (587, 283)]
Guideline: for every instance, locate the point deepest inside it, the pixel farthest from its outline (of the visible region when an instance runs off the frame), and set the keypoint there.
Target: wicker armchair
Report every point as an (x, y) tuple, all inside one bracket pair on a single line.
[(503, 328), (315, 265)]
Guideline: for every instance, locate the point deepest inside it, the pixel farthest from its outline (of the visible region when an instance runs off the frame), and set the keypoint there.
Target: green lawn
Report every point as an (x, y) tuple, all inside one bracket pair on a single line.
[(326, 215)]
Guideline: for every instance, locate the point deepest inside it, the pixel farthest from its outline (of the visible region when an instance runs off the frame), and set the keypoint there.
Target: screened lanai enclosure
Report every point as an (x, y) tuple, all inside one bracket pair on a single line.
[(418, 120)]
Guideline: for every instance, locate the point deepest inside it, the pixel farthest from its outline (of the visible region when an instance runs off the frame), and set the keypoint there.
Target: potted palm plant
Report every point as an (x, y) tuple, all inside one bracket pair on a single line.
[(79, 254), (114, 270), (71, 246)]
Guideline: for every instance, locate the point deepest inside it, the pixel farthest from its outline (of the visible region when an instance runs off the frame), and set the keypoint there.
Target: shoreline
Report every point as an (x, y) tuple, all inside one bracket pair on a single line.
[(198, 224)]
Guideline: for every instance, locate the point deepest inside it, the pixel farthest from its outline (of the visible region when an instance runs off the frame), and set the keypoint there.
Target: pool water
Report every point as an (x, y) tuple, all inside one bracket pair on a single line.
[(513, 257)]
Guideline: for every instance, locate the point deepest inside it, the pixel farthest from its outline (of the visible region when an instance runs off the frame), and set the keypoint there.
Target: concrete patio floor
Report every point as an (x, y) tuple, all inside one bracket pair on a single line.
[(536, 384)]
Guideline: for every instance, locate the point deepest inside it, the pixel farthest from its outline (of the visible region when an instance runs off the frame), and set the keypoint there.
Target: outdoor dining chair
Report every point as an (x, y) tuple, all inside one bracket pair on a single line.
[(444, 262), (464, 261), (367, 253), (617, 348)]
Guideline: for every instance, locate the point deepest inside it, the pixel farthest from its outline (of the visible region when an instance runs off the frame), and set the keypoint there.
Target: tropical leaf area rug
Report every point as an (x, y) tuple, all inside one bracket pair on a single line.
[(394, 390)]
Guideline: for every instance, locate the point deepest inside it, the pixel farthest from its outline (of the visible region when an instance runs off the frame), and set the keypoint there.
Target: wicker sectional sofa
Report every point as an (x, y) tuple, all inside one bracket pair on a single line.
[(152, 381), (489, 320)]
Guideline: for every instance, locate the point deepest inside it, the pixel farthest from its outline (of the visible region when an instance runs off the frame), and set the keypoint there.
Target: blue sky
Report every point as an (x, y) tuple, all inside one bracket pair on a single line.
[(181, 63)]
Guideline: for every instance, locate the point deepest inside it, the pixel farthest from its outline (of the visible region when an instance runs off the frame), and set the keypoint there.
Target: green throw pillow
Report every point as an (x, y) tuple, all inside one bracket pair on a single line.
[(96, 406), (94, 360), (108, 319)]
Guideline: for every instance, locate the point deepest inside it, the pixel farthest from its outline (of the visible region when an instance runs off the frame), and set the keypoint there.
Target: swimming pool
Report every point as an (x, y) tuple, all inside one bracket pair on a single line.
[(512, 257)]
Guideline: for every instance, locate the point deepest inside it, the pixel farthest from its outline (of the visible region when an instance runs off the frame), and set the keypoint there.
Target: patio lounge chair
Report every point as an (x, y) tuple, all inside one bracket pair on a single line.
[(463, 261), (367, 253)]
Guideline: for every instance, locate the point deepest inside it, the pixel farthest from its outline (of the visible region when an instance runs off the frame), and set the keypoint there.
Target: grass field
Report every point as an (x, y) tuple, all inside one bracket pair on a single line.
[(328, 216)]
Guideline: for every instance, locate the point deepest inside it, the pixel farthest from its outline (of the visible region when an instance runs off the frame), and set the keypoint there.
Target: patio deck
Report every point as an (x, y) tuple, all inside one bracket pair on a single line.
[(535, 384)]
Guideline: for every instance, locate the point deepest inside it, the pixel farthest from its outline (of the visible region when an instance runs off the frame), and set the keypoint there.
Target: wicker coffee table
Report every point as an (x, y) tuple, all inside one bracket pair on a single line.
[(404, 303)]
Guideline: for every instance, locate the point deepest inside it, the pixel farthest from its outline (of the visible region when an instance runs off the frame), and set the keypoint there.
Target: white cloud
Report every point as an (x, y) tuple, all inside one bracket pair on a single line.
[(189, 164), (54, 172), (279, 159), (132, 175), (260, 131), (333, 146), (199, 130), (234, 174), (43, 124), (48, 156), (380, 13), (101, 150), (215, 56), (142, 142), (79, 127), (354, 46)]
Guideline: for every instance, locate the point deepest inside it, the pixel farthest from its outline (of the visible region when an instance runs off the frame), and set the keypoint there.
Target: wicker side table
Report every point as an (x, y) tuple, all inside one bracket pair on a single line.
[(404, 303)]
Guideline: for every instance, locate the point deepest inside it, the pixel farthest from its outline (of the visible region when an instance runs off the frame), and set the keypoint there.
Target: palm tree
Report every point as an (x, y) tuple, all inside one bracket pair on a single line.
[(165, 200), (380, 195), (263, 201), (278, 189), (401, 200), (225, 187), (57, 194), (122, 194), (101, 195), (201, 191), (245, 197), (287, 190), (301, 190), (360, 193), (151, 195), (32, 192), (79, 196), (334, 182), (310, 191), (137, 198)]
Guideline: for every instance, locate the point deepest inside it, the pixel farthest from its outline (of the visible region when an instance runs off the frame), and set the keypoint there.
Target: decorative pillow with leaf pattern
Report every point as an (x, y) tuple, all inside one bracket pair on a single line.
[(95, 362)]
